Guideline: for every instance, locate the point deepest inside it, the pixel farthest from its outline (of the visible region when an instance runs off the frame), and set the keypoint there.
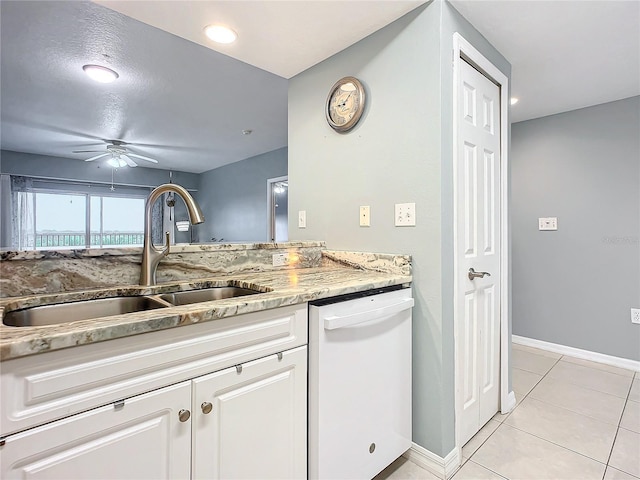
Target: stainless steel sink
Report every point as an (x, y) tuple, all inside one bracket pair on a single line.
[(206, 295), (83, 310)]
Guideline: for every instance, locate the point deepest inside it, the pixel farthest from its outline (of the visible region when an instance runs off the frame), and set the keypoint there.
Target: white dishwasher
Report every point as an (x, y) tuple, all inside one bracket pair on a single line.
[(359, 383)]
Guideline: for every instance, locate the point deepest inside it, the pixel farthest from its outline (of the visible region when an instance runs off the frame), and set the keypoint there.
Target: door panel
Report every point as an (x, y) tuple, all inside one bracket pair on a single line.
[(141, 440), (478, 223), (256, 428)]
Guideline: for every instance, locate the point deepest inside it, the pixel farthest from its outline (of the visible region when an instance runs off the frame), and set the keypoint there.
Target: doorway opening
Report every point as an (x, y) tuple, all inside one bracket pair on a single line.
[(277, 209)]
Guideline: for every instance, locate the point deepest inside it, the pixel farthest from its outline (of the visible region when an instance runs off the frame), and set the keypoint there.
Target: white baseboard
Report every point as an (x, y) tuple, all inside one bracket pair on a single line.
[(441, 467), (578, 353)]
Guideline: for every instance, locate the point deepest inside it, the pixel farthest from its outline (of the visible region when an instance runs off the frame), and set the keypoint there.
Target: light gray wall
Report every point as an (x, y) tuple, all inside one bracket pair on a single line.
[(43, 166), (576, 286), (399, 152), (233, 198)]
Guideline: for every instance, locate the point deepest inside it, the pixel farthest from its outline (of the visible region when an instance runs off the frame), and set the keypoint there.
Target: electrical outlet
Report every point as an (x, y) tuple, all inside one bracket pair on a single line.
[(365, 216), (280, 259), (548, 223), (635, 315), (302, 219), (405, 215)]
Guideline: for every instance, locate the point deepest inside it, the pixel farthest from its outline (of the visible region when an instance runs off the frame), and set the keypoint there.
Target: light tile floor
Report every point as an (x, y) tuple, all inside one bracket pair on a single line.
[(574, 420)]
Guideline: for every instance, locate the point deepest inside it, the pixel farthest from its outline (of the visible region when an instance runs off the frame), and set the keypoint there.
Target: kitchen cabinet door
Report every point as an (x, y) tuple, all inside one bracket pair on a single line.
[(142, 439), (250, 421)]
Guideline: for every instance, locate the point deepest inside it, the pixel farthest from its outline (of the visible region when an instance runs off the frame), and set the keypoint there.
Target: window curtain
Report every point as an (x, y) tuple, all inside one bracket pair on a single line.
[(22, 213), (5, 212)]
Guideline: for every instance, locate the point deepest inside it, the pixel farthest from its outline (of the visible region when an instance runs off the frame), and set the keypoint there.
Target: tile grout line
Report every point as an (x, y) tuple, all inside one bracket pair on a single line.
[(593, 389), (545, 439), (615, 437), (508, 415), (492, 471)]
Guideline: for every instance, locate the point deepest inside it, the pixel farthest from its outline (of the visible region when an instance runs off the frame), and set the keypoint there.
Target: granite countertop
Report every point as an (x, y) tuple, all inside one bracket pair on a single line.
[(279, 288)]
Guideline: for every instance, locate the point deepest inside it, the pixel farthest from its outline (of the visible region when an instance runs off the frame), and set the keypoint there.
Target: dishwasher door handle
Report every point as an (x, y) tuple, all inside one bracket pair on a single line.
[(332, 323)]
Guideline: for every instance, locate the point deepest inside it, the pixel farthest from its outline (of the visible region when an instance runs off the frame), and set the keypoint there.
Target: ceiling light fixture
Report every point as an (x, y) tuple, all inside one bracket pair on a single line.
[(116, 162), (514, 100), (220, 34), (100, 74)]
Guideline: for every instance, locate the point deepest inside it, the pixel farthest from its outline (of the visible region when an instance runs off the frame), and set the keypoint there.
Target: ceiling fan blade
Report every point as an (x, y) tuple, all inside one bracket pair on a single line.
[(130, 162), (97, 157), (87, 151), (135, 155)]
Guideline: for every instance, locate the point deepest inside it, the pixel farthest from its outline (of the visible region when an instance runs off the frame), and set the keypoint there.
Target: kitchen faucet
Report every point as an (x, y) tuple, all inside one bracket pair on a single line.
[(151, 255)]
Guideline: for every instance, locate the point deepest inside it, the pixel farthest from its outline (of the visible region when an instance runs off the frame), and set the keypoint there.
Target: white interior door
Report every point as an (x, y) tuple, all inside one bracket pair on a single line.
[(478, 248)]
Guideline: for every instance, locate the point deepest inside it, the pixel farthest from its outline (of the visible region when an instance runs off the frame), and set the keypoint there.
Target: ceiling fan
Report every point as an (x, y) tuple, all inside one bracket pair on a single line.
[(120, 155)]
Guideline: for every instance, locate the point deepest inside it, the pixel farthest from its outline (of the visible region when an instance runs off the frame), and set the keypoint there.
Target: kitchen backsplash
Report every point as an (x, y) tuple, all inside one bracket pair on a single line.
[(55, 271)]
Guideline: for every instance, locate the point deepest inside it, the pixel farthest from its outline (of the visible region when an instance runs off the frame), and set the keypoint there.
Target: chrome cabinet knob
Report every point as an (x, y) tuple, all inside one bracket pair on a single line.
[(184, 415), (473, 274), (206, 408)]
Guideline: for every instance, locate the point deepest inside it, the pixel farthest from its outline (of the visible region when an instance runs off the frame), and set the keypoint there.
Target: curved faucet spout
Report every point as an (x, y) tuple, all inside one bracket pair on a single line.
[(151, 255)]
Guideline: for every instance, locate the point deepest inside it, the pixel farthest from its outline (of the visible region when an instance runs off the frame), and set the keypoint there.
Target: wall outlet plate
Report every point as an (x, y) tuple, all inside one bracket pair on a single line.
[(548, 223), (405, 215), (280, 259), (635, 315), (365, 216), (302, 219)]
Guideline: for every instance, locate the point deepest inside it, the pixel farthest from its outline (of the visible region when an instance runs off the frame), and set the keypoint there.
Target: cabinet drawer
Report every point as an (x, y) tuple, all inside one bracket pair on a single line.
[(49, 386)]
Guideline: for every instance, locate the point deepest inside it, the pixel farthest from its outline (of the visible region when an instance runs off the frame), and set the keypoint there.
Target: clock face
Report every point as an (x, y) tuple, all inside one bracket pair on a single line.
[(345, 104)]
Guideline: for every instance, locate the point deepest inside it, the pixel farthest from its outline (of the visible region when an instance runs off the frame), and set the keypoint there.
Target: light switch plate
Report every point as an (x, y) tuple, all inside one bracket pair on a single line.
[(405, 215), (635, 315), (365, 216), (302, 219), (548, 223)]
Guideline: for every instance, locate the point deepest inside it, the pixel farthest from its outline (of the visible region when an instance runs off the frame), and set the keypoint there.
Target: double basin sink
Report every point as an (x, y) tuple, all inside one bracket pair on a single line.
[(105, 307)]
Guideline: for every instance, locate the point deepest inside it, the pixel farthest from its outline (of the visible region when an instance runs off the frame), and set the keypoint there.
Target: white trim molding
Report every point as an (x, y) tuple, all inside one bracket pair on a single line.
[(620, 362), (441, 467), (507, 406)]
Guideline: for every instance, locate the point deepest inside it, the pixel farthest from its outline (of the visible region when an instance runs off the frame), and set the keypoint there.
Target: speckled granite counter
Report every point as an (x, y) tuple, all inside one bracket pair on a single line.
[(332, 273)]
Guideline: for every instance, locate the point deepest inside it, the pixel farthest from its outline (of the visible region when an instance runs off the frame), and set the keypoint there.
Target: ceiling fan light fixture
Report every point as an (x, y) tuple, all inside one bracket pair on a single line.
[(220, 34), (116, 162), (100, 74)]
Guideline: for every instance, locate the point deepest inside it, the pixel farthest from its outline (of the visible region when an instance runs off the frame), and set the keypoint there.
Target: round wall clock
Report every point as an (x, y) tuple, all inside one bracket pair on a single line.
[(345, 104)]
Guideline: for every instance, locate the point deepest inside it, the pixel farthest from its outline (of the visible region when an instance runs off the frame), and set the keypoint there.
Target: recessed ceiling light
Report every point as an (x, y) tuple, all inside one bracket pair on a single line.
[(514, 100), (220, 34), (100, 74)]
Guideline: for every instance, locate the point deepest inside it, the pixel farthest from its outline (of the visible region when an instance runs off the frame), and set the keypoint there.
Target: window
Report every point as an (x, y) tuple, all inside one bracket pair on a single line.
[(46, 218)]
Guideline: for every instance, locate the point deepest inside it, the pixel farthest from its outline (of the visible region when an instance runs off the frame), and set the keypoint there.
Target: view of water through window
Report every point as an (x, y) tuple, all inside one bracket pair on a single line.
[(61, 220)]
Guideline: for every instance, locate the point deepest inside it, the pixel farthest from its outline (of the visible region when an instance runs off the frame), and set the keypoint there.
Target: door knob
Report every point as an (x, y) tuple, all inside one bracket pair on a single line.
[(183, 415), (206, 407), (473, 274)]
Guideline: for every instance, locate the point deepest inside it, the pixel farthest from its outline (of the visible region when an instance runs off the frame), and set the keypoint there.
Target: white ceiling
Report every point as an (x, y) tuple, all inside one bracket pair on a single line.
[(284, 37), (185, 104), (564, 55)]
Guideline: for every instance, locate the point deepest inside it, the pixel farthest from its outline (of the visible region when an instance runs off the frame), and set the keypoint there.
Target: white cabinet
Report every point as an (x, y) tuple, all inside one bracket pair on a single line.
[(142, 439), (250, 422), (61, 418)]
